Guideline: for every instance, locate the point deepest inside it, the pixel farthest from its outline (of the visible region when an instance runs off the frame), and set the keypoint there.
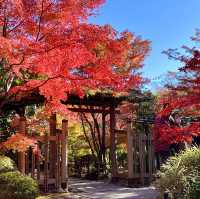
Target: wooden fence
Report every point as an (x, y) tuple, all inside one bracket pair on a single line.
[(141, 160)]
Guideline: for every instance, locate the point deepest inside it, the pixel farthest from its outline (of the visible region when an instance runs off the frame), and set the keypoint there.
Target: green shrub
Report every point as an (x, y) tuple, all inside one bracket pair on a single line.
[(180, 175), (14, 185), (195, 189), (6, 164)]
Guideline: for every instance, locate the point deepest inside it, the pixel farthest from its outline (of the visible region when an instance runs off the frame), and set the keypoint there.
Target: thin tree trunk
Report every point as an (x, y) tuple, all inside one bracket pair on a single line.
[(95, 144), (86, 136)]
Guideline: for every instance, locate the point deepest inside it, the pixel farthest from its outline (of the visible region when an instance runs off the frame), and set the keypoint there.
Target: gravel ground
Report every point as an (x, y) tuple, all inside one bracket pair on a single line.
[(85, 189)]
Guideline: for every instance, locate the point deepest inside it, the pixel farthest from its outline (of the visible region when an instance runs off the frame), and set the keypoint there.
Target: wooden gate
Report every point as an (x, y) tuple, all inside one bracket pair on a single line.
[(141, 160), (50, 167)]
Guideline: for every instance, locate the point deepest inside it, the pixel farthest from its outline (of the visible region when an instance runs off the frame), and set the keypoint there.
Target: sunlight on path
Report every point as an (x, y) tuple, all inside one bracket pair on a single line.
[(103, 190)]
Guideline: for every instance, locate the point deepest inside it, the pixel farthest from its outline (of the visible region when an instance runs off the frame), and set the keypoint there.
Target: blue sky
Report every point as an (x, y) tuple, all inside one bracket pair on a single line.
[(166, 23)]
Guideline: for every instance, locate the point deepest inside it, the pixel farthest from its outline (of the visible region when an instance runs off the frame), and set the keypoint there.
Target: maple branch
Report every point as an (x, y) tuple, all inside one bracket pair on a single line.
[(15, 27), (4, 33), (37, 87), (42, 84), (16, 64), (11, 77)]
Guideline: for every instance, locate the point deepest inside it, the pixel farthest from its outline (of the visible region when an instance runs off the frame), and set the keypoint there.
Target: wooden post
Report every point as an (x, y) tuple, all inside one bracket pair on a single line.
[(141, 157), (153, 155), (58, 180), (27, 162), (21, 155), (113, 145), (104, 140), (135, 154), (130, 153), (38, 167), (150, 156), (33, 165), (64, 155), (52, 152), (46, 159)]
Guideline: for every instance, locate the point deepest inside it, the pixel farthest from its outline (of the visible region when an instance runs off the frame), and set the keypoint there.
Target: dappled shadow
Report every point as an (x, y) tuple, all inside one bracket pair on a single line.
[(105, 190)]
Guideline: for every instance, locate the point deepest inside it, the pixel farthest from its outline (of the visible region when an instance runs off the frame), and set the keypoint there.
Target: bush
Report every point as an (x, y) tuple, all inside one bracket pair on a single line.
[(14, 185), (6, 164), (195, 189), (180, 175)]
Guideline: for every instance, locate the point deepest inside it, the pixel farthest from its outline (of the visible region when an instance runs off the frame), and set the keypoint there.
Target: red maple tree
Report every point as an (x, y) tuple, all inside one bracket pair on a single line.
[(48, 47), (184, 96)]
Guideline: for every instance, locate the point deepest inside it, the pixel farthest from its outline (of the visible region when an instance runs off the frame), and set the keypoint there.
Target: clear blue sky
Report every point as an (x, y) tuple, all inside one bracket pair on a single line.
[(166, 23)]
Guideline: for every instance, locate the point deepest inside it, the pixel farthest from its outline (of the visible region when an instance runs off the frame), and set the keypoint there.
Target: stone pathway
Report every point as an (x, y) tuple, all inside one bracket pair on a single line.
[(102, 190)]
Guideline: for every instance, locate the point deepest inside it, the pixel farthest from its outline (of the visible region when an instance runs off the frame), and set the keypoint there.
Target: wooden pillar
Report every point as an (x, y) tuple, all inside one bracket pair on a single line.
[(113, 157), (64, 155), (52, 155), (58, 177), (46, 160), (104, 139), (27, 162), (141, 156), (130, 152), (21, 155), (150, 156), (33, 165), (38, 167)]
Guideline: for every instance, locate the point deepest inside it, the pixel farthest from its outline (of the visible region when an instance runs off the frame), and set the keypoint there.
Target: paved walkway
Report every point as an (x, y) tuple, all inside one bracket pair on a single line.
[(101, 190)]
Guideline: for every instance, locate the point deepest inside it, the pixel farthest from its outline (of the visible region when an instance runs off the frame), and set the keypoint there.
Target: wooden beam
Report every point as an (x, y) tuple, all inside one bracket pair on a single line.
[(92, 110), (118, 131), (42, 138)]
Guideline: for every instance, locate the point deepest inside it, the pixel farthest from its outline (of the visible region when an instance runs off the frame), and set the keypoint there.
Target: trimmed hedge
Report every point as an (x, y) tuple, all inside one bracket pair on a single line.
[(6, 164), (14, 185)]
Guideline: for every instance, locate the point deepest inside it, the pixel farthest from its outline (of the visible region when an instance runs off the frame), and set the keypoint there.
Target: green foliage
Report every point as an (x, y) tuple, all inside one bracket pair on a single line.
[(6, 164), (121, 155), (78, 147), (14, 185), (180, 175), (195, 189), (30, 110), (4, 128)]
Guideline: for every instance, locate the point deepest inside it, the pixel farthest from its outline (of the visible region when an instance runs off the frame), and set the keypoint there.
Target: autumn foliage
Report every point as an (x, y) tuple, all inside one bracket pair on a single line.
[(49, 47), (19, 142), (184, 95)]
